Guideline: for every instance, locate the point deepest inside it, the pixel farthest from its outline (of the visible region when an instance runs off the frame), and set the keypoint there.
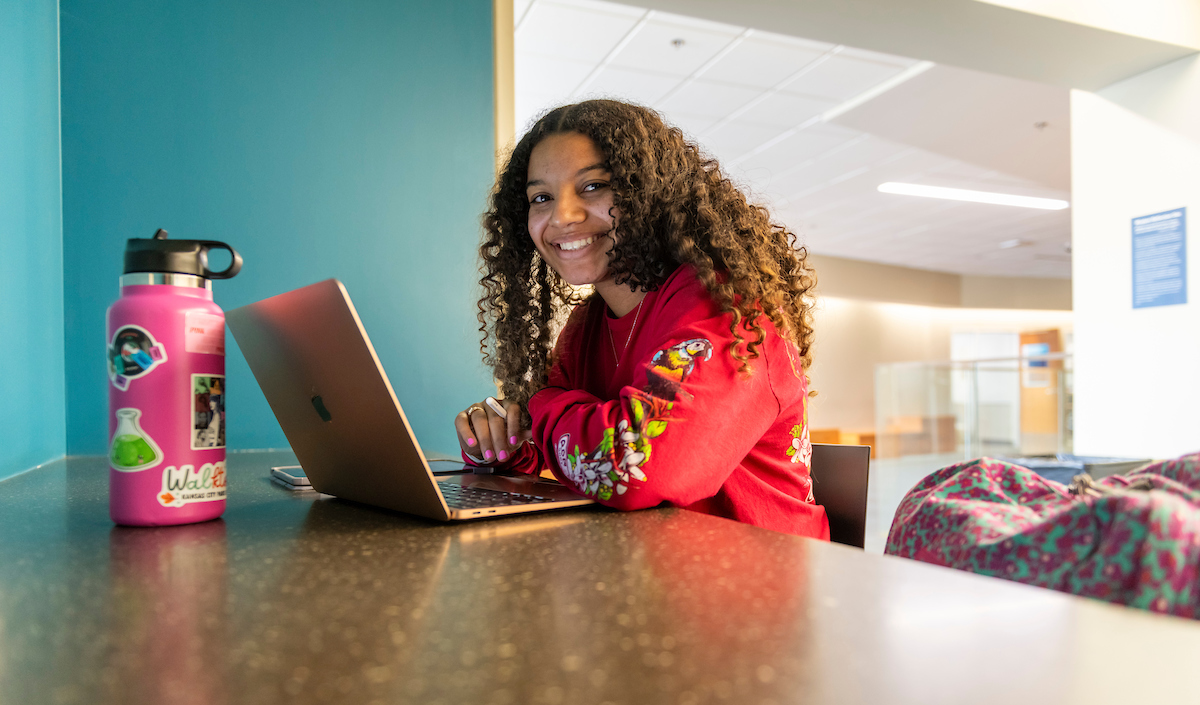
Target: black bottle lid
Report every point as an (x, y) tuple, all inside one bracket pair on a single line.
[(158, 254)]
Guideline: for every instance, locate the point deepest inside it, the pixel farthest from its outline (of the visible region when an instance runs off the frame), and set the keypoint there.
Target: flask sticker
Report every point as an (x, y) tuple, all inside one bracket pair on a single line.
[(132, 353), (132, 449), (186, 484), (204, 333), (208, 411)]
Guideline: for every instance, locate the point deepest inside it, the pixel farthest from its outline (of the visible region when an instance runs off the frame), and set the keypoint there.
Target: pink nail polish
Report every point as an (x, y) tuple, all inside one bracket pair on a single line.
[(503, 455), (512, 440), (487, 455), (471, 442)]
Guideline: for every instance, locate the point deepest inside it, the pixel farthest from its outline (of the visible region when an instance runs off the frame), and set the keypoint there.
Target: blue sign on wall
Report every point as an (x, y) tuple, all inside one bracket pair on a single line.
[(1160, 259)]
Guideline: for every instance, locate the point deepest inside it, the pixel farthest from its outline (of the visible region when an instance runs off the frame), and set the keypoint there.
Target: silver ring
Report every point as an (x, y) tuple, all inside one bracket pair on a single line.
[(475, 407)]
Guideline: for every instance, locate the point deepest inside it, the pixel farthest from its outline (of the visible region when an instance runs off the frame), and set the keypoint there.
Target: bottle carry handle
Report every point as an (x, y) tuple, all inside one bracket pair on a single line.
[(234, 267)]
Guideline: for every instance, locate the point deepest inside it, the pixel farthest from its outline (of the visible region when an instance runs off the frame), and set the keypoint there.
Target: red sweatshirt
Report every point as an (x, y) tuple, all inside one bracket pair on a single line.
[(650, 408)]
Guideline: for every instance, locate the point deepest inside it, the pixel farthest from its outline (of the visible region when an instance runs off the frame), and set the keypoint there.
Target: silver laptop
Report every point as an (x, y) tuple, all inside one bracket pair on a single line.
[(314, 362)]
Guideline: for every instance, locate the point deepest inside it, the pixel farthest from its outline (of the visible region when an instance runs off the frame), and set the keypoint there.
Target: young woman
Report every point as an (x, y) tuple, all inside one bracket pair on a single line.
[(681, 379)]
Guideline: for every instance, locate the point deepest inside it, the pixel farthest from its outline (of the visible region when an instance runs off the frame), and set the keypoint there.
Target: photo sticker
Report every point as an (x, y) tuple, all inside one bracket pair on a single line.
[(132, 353), (208, 411)]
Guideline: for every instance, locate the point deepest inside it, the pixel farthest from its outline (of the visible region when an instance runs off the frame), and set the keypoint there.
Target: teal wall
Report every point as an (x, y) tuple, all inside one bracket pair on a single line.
[(325, 138), (31, 277)]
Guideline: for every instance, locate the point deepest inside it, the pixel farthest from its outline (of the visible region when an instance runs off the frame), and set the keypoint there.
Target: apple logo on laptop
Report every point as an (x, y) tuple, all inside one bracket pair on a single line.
[(319, 405)]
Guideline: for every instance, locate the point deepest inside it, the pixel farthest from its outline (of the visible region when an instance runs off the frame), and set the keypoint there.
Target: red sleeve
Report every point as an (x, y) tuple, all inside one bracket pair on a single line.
[(674, 434)]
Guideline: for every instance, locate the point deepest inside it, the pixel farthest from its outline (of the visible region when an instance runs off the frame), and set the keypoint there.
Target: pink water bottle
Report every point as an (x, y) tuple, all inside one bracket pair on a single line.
[(166, 393)]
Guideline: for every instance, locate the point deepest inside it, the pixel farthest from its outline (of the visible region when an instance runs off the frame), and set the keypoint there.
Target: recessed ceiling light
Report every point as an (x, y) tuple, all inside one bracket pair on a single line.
[(960, 194)]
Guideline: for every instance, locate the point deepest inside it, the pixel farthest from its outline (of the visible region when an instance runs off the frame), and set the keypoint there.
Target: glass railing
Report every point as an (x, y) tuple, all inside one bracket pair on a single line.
[(932, 414), (965, 409)]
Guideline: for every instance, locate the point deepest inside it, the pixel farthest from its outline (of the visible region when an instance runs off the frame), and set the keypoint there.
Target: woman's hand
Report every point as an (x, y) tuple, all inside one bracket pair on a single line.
[(491, 430)]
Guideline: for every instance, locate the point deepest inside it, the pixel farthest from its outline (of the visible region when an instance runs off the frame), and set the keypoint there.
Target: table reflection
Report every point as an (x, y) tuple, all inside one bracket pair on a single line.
[(168, 612)]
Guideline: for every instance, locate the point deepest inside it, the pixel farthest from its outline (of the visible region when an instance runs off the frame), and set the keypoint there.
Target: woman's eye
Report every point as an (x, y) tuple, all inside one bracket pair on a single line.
[(540, 198), (594, 186)]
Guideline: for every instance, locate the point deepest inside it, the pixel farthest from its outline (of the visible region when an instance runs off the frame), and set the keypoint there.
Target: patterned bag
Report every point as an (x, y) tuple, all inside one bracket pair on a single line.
[(1132, 539)]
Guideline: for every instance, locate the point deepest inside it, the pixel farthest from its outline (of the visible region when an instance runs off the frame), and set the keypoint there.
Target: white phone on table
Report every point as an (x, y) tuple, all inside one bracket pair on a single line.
[(291, 476)]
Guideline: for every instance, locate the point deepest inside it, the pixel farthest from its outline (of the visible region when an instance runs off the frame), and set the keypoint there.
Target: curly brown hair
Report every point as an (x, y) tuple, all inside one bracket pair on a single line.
[(675, 207)]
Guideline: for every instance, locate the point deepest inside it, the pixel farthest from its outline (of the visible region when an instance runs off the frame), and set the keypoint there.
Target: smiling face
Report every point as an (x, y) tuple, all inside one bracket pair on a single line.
[(571, 207)]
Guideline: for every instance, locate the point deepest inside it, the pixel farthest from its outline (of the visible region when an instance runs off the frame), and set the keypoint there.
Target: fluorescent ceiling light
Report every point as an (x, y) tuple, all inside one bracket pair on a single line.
[(961, 194)]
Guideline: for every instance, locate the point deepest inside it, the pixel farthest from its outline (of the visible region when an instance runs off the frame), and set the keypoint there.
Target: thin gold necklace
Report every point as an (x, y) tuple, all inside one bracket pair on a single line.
[(613, 343)]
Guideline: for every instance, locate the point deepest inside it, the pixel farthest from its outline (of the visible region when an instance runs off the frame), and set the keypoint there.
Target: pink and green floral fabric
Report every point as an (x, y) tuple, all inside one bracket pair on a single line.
[(1132, 539)]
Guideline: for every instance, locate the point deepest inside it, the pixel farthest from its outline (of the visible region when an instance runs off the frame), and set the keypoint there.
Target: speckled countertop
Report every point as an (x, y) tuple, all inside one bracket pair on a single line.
[(291, 598)]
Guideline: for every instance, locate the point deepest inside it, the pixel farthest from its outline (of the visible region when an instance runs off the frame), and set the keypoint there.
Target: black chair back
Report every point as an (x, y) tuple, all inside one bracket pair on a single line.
[(839, 475)]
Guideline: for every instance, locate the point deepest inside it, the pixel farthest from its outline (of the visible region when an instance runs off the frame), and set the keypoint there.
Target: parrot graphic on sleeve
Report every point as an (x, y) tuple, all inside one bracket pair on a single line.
[(669, 368)]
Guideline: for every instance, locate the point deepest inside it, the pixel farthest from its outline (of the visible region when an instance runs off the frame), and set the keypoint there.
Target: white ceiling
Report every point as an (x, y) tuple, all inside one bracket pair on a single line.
[(783, 115)]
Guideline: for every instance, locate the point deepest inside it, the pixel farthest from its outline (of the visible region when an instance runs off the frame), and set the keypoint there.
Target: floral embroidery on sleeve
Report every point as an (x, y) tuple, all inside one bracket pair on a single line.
[(801, 449), (624, 450)]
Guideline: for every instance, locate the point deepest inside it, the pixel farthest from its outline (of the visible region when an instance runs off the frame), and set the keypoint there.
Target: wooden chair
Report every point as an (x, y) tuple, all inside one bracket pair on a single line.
[(839, 474)]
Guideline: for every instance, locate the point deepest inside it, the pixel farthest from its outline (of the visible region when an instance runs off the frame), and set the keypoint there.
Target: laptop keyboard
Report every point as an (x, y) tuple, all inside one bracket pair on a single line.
[(459, 497)]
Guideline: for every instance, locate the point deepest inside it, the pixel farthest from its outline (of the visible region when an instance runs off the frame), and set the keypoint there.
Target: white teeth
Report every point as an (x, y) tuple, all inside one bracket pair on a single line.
[(576, 245)]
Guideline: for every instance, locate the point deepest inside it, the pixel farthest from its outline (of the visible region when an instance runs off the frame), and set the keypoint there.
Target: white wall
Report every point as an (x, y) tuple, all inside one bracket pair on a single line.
[(870, 281), (1137, 384)]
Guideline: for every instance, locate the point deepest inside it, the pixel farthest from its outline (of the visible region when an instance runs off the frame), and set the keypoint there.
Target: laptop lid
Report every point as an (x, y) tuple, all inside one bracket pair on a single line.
[(319, 372), (316, 366)]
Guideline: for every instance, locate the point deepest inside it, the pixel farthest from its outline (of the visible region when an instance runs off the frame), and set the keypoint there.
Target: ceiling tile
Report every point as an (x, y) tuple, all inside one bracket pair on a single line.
[(651, 48), (692, 125), (910, 167), (762, 62), (697, 23), (520, 7), (709, 98), (636, 86), (530, 106), (555, 30), (548, 75), (735, 139), (841, 78), (800, 147), (784, 110), (817, 208), (955, 174), (836, 164)]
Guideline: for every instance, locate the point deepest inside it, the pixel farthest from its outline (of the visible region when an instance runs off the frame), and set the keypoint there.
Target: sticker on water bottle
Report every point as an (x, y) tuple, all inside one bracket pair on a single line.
[(187, 484), (204, 333), (132, 353), (208, 411), (131, 448)]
